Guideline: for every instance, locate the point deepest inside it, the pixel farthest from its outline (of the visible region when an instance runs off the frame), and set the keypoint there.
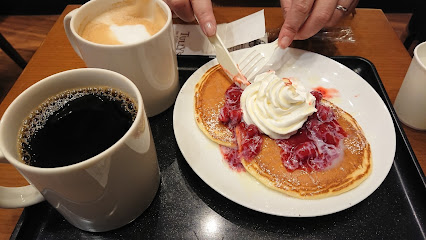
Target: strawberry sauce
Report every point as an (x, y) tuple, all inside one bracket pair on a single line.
[(249, 140), (317, 144), (232, 157), (231, 113), (327, 93), (314, 147)]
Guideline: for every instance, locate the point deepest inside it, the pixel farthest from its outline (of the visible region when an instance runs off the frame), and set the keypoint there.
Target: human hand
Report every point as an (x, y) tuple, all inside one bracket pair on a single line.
[(304, 18), (201, 9)]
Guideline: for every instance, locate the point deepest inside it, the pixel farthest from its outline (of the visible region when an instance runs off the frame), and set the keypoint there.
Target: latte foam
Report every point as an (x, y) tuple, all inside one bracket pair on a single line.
[(130, 33), (128, 22)]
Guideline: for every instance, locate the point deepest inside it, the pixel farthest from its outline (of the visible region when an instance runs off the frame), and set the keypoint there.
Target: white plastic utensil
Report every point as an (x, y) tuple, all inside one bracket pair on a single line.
[(226, 61), (256, 58), (228, 64)]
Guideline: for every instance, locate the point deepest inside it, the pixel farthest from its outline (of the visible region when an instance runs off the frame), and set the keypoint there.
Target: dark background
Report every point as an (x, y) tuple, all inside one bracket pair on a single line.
[(13, 7)]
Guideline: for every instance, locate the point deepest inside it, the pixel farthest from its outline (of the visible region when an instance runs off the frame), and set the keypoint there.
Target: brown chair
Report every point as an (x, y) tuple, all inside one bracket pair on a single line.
[(11, 52), (416, 26)]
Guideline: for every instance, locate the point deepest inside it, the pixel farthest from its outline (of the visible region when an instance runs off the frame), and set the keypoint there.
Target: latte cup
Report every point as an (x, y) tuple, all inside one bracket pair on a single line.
[(410, 103), (100, 193), (150, 63)]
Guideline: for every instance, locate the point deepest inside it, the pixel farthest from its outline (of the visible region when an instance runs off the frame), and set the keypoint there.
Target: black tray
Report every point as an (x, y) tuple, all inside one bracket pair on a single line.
[(187, 208)]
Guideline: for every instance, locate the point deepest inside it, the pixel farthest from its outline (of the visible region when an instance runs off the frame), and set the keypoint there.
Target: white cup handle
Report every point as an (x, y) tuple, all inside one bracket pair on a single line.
[(17, 197), (70, 35)]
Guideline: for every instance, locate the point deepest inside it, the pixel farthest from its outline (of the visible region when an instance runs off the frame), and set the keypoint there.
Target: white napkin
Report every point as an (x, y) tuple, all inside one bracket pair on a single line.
[(190, 40)]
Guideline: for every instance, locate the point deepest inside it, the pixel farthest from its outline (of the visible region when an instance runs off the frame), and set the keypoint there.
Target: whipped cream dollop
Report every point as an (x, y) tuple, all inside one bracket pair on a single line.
[(277, 106)]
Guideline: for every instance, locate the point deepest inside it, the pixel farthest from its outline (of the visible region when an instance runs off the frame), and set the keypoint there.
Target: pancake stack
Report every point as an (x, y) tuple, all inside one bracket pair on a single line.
[(344, 174)]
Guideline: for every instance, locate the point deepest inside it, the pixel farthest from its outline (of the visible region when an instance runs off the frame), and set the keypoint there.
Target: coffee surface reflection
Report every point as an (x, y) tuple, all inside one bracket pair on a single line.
[(75, 125)]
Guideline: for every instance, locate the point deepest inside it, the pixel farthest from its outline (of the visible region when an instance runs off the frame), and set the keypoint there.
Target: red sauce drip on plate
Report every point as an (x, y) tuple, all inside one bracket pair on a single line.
[(327, 93)]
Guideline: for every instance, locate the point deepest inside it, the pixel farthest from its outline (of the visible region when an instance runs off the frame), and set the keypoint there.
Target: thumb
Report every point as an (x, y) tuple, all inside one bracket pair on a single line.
[(203, 11)]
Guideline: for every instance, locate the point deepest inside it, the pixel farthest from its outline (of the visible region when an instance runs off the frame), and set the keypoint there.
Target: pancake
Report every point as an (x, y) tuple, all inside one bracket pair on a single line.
[(344, 174), (209, 99)]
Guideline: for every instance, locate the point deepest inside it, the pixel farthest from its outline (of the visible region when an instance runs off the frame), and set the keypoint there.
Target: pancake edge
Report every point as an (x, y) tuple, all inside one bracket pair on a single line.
[(357, 177), (197, 114)]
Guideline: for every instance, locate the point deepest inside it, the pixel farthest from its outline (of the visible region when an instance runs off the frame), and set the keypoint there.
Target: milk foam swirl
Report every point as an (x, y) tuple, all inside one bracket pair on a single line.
[(278, 107)]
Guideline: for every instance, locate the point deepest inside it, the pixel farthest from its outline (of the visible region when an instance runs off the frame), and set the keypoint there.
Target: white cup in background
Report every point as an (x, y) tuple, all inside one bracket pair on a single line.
[(151, 63), (98, 194), (410, 103)]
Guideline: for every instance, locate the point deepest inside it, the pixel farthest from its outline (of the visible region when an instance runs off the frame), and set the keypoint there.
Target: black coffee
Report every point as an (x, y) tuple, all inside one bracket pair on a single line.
[(75, 125)]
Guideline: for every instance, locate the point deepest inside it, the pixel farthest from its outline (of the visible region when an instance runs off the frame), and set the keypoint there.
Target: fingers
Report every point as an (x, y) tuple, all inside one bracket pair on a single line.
[(295, 16), (338, 15), (187, 10), (322, 12), (285, 6), (182, 9), (304, 18), (204, 12)]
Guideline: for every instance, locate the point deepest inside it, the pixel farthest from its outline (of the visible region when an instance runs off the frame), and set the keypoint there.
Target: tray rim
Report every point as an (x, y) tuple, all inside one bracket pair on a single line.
[(396, 120)]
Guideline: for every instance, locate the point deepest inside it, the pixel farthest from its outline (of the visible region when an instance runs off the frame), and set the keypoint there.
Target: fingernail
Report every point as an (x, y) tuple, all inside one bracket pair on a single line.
[(285, 42), (209, 30)]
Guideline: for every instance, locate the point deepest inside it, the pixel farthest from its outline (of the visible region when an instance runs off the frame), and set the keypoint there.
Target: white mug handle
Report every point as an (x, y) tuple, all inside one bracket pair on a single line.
[(17, 197), (70, 35)]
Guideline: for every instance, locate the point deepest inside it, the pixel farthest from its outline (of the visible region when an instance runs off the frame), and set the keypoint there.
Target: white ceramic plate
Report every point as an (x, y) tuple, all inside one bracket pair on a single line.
[(355, 96)]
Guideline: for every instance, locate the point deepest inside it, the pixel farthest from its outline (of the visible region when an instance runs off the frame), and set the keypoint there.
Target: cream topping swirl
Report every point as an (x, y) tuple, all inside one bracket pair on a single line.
[(278, 107)]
